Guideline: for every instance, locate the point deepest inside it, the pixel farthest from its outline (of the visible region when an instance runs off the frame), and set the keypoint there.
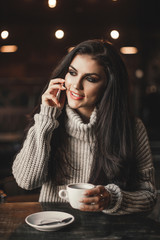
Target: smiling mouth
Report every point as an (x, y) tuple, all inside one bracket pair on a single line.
[(76, 96)]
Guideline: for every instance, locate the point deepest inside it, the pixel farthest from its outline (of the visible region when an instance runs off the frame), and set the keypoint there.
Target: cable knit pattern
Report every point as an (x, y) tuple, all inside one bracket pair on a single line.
[(79, 130), (31, 164)]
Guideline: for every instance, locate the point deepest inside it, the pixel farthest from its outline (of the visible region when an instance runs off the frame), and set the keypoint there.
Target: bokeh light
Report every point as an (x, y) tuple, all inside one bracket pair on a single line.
[(59, 34), (114, 34), (52, 3), (129, 50), (4, 34), (8, 48)]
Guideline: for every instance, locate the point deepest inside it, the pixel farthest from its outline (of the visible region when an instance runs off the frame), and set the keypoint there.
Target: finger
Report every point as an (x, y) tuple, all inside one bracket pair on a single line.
[(93, 191), (96, 191), (92, 207), (94, 204), (95, 200), (90, 200), (104, 194), (53, 91), (98, 196), (101, 188), (50, 99), (56, 80), (54, 87)]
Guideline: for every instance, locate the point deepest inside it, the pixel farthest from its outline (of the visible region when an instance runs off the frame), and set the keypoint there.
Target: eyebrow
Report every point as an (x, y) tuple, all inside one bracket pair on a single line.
[(87, 74), (73, 68)]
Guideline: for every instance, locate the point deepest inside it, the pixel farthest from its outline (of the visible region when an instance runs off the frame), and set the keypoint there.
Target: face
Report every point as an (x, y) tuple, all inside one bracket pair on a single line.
[(85, 82)]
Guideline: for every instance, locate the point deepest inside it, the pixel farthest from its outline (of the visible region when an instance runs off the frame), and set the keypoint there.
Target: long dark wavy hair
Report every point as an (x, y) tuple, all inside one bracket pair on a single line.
[(114, 153)]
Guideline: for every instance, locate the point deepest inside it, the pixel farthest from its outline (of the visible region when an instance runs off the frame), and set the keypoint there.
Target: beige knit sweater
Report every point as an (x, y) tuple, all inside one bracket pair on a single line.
[(31, 163)]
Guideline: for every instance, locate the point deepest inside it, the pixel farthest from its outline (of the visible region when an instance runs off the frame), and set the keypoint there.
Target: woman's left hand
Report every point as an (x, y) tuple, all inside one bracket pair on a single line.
[(97, 199)]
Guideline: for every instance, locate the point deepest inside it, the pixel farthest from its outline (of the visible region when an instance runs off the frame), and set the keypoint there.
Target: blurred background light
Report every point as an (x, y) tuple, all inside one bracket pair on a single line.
[(114, 34), (139, 73), (59, 34), (128, 50), (151, 89), (4, 34), (8, 48), (52, 3)]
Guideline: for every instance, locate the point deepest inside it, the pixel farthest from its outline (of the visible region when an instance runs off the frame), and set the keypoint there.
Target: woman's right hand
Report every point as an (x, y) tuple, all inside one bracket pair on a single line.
[(49, 96)]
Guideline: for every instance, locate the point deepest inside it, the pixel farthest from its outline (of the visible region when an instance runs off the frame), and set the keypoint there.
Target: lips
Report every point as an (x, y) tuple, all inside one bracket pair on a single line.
[(76, 96)]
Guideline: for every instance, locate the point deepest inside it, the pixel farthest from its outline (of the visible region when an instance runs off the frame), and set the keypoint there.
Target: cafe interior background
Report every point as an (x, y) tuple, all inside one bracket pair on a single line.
[(36, 34)]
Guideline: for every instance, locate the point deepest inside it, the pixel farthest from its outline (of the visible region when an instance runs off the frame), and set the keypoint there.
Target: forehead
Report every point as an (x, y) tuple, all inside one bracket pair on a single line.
[(86, 63)]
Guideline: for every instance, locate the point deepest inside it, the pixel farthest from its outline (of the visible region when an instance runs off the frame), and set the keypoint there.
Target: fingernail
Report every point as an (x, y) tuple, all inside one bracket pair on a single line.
[(81, 207), (86, 194)]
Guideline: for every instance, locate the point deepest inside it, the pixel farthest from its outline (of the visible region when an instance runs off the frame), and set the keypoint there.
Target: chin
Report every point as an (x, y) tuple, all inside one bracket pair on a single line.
[(72, 105)]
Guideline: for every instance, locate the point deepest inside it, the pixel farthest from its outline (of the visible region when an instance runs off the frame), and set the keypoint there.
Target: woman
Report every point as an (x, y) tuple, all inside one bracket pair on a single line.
[(88, 134)]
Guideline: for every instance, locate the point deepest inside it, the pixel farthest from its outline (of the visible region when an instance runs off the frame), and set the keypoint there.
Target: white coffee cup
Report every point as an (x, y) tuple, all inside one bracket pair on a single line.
[(74, 193)]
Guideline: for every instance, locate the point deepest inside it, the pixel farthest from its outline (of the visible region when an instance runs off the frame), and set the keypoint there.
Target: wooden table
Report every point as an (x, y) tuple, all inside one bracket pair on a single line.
[(90, 226)]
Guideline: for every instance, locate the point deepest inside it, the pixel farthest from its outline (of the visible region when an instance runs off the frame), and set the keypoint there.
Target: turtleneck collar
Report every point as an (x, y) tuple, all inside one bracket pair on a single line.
[(75, 126)]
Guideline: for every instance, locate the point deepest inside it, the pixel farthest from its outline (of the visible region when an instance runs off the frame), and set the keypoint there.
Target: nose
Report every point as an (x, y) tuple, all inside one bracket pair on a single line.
[(77, 84)]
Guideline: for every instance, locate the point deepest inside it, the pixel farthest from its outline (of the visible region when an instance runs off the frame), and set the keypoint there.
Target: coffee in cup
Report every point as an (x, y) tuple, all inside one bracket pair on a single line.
[(74, 193)]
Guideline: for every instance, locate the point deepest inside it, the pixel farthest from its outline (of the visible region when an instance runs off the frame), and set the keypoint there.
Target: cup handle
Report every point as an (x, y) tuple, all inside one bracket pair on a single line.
[(63, 194)]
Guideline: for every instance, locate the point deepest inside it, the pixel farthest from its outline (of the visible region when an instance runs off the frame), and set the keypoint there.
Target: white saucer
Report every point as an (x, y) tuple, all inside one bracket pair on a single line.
[(37, 218)]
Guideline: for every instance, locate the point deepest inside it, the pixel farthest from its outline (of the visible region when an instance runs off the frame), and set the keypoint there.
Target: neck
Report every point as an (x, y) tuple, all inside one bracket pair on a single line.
[(83, 117), (84, 114)]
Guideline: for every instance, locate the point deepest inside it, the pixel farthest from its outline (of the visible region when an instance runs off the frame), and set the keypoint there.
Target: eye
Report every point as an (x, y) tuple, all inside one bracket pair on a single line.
[(72, 73), (91, 79)]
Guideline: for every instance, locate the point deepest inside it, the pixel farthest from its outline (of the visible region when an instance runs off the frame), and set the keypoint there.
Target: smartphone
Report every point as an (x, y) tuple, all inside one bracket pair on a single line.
[(59, 93)]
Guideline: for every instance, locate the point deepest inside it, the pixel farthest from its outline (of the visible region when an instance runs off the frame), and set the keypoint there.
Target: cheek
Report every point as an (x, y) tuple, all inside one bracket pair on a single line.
[(67, 81), (96, 93)]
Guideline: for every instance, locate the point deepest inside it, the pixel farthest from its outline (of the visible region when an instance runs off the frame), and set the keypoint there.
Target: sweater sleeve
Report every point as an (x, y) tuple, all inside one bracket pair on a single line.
[(144, 198), (31, 163)]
